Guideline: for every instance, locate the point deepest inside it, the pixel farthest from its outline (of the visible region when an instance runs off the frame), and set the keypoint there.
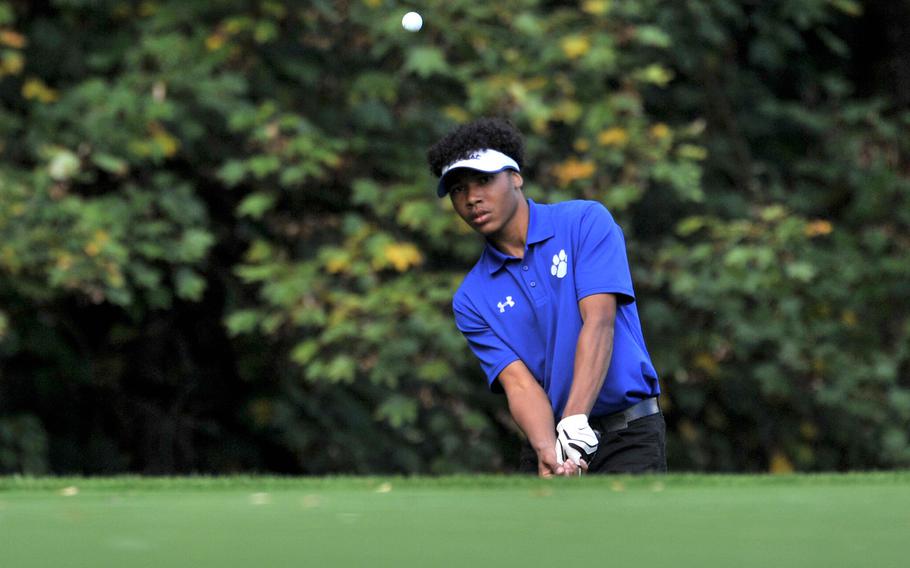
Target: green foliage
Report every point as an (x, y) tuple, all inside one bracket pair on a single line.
[(219, 213), (23, 445)]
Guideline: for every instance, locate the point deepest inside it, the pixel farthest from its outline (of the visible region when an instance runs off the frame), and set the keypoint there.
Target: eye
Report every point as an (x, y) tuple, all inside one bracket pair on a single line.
[(456, 189), (484, 179)]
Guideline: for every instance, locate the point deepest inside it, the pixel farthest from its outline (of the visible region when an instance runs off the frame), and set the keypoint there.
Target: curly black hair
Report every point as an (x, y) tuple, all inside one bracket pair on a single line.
[(493, 133)]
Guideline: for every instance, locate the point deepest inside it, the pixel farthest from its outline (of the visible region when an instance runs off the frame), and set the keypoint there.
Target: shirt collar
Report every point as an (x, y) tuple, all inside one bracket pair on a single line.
[(540, 228)]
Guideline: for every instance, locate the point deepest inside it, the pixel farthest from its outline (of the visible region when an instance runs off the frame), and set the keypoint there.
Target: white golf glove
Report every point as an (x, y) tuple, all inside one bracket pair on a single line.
[(575, 440)]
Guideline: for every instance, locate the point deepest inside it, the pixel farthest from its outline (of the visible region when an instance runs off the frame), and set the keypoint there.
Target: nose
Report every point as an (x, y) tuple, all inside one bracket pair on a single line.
[(473, 193)]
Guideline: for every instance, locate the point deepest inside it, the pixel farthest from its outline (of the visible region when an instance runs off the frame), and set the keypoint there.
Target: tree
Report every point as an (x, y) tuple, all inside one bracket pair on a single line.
[(219, 244)]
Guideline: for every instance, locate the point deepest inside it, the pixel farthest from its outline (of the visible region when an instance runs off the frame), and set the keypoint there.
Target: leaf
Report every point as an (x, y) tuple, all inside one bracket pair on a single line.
[(263, 166), (232, 172), (305, 351), (110, 163), (63, 165), (398, 410), (849, 7), (194, 245), (242, 321), (426, 61), (403, 256), (189, 284), (575, 46), (256, 205), (36, 89), (689, 226), (434, 371), (573, 170), (341, 369), (7, 16), (692, 152), (801, 271), (655, 74), (614, 136), (366, 192), (652, 36)]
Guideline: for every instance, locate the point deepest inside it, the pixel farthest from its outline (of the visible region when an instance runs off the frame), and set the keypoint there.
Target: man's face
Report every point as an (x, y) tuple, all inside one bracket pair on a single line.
[(487, 202)]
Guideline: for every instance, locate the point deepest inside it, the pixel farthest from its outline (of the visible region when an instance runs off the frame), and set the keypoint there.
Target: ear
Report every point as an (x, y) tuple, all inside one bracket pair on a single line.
[(517, 180)]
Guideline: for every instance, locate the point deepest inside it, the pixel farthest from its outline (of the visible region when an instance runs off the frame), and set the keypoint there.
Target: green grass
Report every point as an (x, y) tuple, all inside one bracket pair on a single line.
[(677, 520)]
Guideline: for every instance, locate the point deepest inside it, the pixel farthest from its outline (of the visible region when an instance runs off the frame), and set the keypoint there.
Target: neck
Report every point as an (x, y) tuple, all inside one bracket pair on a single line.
[(513, 236)]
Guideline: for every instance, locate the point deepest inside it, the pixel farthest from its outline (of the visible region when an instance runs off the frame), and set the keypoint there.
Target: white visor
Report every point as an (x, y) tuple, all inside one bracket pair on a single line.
[(489, 161)]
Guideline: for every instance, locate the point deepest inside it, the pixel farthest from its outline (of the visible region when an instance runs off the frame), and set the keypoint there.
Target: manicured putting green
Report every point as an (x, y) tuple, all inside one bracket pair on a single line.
[(676, 520)]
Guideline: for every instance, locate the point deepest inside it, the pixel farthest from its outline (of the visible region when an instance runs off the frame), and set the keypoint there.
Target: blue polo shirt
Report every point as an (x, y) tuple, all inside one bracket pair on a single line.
[(527, 309)]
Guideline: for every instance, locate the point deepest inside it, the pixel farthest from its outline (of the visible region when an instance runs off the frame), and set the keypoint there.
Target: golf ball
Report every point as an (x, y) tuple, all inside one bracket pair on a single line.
[(412, 22)]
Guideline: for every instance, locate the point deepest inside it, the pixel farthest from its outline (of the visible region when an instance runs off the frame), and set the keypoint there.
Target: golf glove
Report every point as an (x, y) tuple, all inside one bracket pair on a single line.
[(575, 440)]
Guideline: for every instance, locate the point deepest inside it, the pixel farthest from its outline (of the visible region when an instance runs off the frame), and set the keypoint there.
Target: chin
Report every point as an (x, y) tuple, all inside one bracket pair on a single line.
[(488, 230)]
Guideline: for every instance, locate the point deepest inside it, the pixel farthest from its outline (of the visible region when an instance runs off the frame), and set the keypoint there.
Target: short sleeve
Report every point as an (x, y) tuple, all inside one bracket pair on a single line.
[(493, 353), (601, 265)]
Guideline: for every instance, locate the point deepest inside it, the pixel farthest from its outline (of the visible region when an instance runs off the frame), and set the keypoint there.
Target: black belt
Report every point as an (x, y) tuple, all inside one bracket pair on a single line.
[(620, 420)]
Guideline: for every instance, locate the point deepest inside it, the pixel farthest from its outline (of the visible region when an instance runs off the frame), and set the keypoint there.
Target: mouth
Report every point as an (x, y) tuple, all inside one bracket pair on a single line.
[(481, 217)]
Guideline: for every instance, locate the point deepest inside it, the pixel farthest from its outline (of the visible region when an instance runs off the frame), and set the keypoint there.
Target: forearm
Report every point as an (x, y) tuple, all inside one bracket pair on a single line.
[(529, 406), (593, 353)]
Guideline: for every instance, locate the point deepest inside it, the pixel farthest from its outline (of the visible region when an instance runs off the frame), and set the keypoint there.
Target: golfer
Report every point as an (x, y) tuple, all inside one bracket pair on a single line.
[(549, 310)]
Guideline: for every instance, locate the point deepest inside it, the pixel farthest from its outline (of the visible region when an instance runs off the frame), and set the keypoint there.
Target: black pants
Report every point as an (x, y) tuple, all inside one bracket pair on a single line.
[(638, 448)]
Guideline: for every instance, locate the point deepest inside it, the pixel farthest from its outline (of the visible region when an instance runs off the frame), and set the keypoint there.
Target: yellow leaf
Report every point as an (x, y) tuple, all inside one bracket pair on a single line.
[(615, 136), (261, 411), (706, 363), (574, 169), (575, 46), (36, 89), (688, 431), (849, 318), (780, 463), (92, 249), (147, 9), (164, 140), (457, 113), (596, 7), (537, 83), (373, 3), (8, 258), (64, 261), (692, 152), (214, 42), (11, 63), (402, 255), (339, 263), (114, 276), (818, 228), (582, 145), (660, 131), (12, 39), (568, 111), (808, 430)]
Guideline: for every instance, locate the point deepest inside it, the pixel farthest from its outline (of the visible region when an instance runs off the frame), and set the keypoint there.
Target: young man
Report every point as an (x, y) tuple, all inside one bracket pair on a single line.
[(549, 310)]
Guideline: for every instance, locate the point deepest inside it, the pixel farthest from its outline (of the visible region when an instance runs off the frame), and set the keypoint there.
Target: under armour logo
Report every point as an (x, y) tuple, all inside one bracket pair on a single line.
[(508, 302)]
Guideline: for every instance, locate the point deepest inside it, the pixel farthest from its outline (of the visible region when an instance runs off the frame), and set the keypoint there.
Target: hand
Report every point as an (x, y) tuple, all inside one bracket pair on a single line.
[(547, 466), (576, 442)]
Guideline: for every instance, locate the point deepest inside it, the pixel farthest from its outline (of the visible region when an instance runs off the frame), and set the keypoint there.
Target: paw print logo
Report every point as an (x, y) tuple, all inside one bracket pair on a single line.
[(560, 266)]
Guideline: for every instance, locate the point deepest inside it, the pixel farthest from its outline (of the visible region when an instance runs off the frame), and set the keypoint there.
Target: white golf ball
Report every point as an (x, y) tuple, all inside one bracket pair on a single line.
[(412, 22)]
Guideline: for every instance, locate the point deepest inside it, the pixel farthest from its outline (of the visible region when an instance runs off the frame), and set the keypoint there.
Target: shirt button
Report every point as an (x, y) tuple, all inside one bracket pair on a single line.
[(525, 268), (533, 284)]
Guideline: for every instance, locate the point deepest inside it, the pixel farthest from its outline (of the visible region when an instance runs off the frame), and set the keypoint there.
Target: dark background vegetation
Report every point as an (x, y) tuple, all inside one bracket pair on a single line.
[(220, 249)]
